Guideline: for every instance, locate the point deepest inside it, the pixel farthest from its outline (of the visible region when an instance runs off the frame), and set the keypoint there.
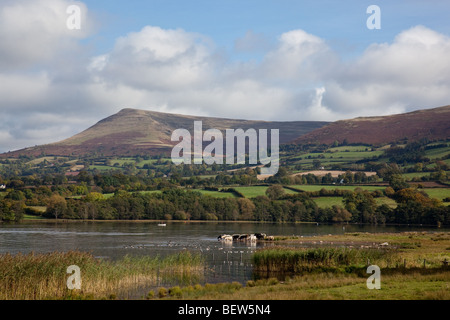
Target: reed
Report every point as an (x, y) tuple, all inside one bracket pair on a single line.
[(284, 259), (43, 276)]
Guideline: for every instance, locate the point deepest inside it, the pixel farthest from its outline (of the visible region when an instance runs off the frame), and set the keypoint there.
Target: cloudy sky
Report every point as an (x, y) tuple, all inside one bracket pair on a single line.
[(269, 60)]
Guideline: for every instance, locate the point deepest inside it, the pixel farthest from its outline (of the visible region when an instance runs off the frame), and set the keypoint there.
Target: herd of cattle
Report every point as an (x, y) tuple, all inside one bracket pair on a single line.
[(245, 237)]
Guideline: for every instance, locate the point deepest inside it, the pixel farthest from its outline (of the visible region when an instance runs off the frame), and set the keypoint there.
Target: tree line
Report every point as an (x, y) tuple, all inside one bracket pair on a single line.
[(413, 207)]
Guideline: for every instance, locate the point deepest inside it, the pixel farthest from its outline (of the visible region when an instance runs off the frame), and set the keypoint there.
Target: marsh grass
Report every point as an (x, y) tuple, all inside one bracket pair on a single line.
[(284, 259), (405, 285), (214, 291), (43, 276)]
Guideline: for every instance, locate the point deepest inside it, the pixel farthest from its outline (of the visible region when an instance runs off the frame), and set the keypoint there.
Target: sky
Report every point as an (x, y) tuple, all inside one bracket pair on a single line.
[(61, 71)]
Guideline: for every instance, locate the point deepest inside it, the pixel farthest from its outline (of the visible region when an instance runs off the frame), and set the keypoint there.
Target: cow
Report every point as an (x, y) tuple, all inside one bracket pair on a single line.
[(225, 237), (244, 237), (260, 236)]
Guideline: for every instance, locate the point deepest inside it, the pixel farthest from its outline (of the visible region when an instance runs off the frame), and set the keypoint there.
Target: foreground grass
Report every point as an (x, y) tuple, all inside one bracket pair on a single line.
[(323, 286), (44, 276), (411, 269)]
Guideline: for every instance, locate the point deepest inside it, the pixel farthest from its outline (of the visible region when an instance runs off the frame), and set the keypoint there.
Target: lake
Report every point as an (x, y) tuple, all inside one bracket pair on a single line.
[(115, 239)]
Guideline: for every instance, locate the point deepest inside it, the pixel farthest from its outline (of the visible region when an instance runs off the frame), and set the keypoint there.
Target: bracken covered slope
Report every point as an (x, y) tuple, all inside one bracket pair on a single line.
[(433, 124), (133, 132)]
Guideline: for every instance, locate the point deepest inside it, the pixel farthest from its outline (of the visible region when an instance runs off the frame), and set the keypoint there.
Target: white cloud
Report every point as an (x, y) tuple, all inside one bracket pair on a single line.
[(35, 31), (159, 59), (412, 72), (299, 57)]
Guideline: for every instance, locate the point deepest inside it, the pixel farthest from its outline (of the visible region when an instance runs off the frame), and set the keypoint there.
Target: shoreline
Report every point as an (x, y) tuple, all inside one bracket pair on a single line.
[(46, 220)]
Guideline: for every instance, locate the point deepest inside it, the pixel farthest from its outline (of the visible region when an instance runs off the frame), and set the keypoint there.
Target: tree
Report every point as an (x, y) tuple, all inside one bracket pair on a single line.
[(275, 192), (56, 205), (397, 182), (361, 205), (316, 164), (246, 208), (389, 192), (282, 172), (16, 195), (180, 215), (412, 195), (341, 214), (11, 210), (418, 167), (94, 196)]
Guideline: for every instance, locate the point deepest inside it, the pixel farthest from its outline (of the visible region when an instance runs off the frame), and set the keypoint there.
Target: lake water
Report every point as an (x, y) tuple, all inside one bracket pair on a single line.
[(113, 240)]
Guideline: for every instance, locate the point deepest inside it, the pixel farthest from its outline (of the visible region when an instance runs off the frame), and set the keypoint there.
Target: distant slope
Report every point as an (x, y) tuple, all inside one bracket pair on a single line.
[(433, 124), (132, 132)]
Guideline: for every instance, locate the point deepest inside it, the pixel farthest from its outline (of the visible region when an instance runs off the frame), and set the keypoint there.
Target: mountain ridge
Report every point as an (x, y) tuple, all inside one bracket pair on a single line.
[(143, 132), (433, 124), (136, 131)]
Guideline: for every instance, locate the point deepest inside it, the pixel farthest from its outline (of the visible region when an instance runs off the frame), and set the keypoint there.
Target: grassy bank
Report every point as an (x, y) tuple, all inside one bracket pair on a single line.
[(411, 265), (44, 276), (414, 285)]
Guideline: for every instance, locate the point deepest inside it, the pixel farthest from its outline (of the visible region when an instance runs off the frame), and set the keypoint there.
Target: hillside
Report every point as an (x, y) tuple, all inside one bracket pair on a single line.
[(132, 132), (433, 124)]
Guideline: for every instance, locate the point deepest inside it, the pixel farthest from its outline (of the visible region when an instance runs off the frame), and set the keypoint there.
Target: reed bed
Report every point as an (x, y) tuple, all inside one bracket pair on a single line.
[(285, 259), (44, 276)]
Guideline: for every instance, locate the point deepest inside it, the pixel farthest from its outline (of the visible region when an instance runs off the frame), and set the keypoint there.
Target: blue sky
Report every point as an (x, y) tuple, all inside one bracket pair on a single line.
[(341, 23), (265, 60)]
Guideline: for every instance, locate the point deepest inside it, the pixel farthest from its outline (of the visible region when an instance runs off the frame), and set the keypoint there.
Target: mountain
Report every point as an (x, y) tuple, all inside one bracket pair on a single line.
[(433, 124), (133, 132)]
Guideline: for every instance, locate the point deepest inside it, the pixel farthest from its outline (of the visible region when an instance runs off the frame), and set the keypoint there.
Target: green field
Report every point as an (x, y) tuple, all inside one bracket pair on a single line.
[(438, 193), (350, 149), (204, 176), (409, 176), (255, 191), (252, 192), (385, 200), (42, 159), (103, 168), (334, 156), (216, 194), (306, 187), (328, 202), (437, 153)]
